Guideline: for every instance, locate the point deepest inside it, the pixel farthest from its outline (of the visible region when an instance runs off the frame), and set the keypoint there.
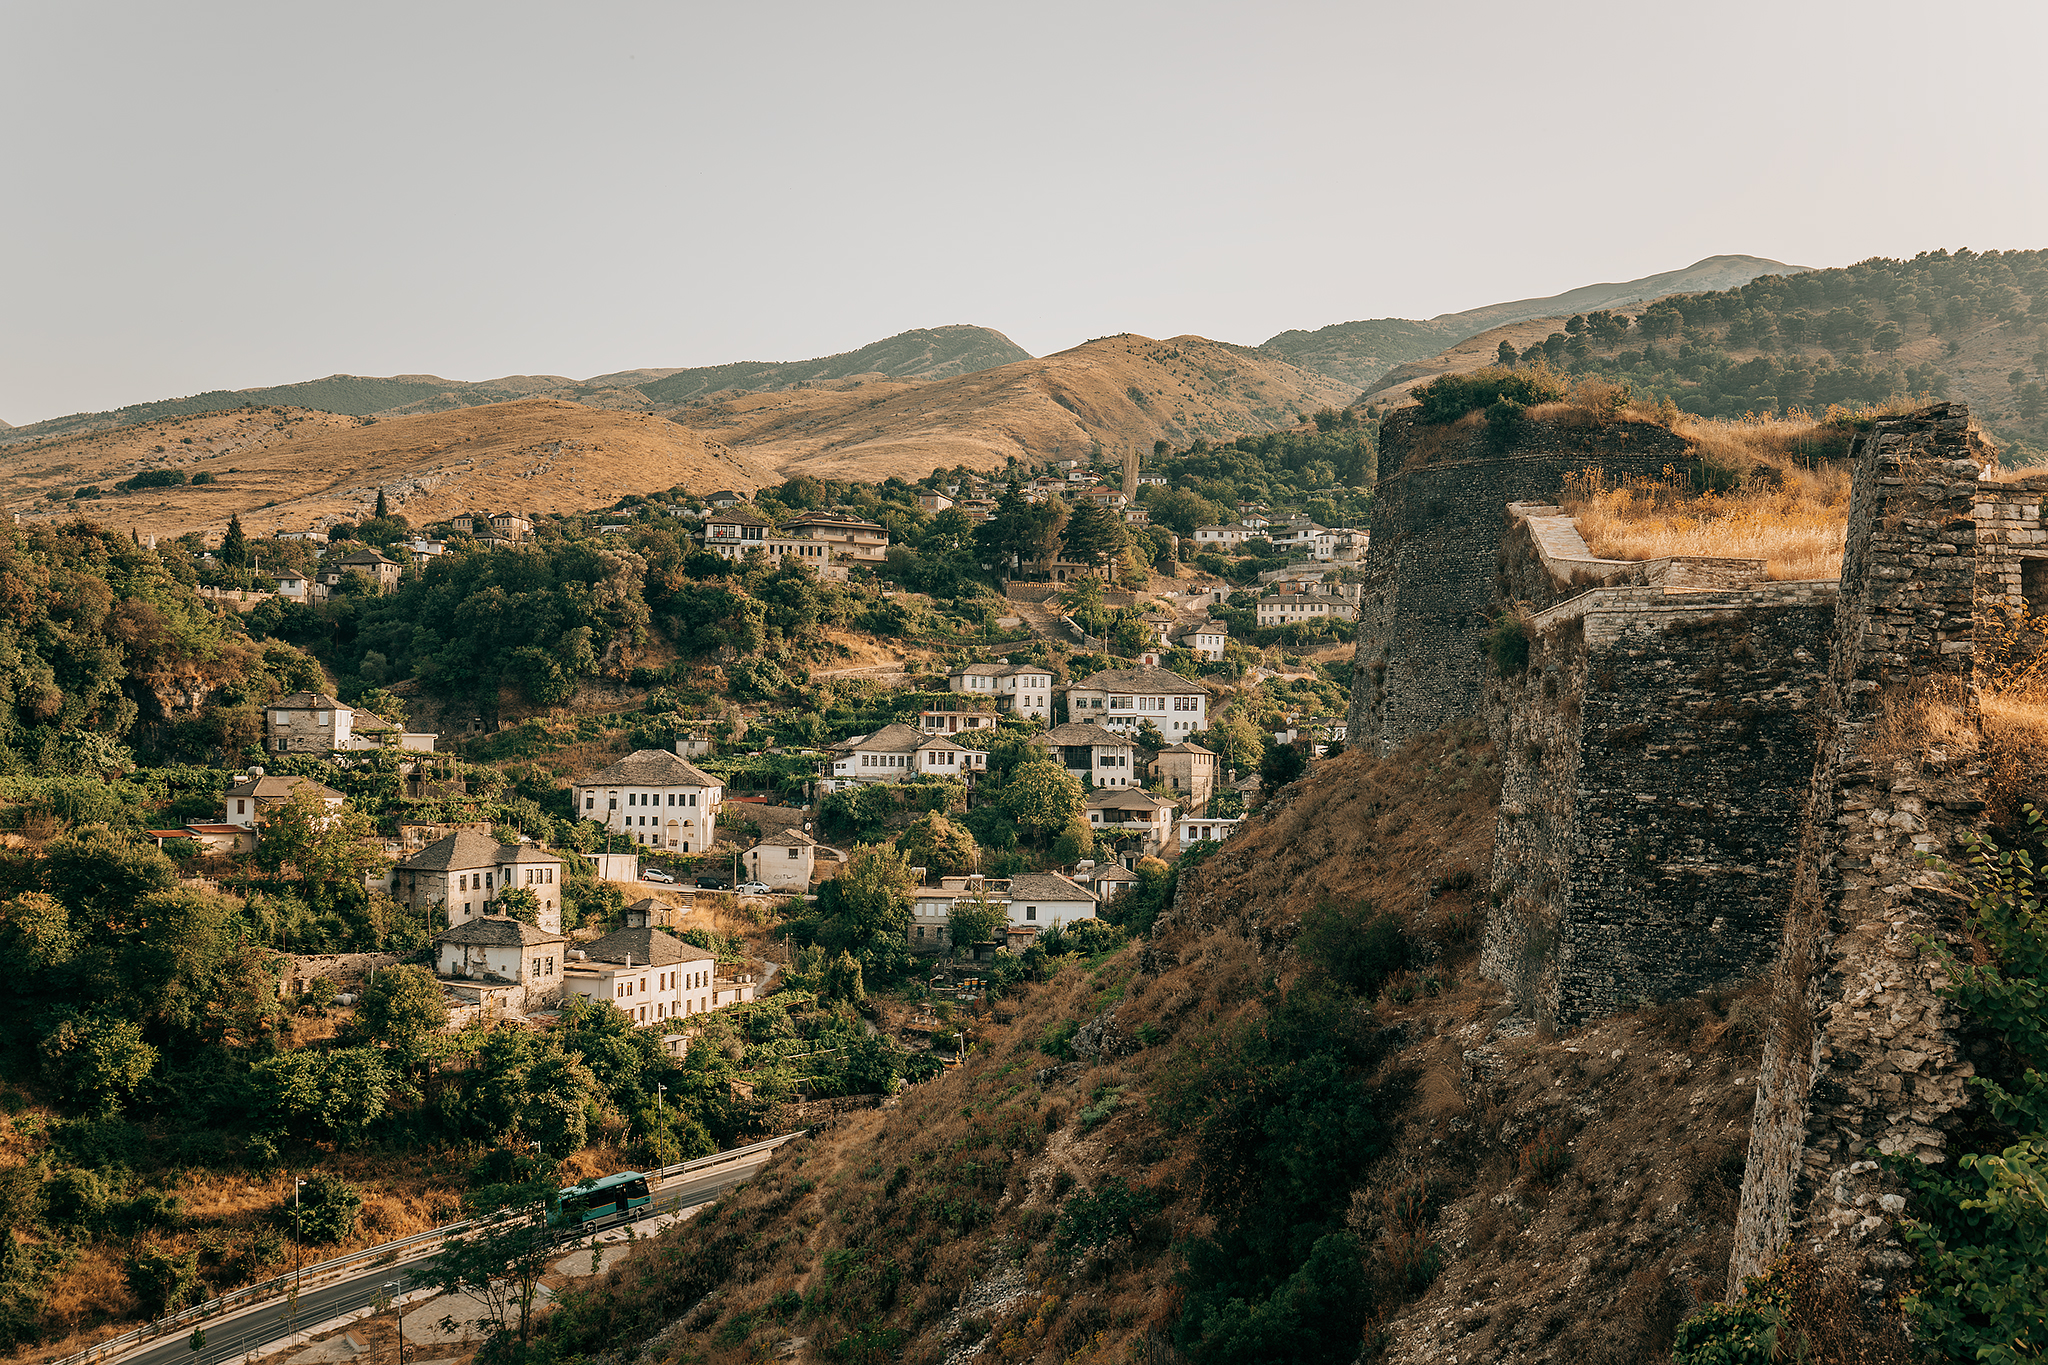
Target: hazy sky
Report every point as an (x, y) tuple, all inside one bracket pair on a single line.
[(216, 195)]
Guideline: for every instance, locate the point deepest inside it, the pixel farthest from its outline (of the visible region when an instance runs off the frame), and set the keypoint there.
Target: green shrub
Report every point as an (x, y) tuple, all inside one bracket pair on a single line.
[(1113, 1210), (1508, 644), (1353, 946), (1451, 396), (326, 1211), (1727, 1334)]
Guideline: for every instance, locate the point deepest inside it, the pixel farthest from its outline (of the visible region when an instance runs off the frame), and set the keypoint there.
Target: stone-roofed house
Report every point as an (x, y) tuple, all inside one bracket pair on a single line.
[(1096, 755), (655, 797), (1121, 697), (1293, 608), (498, 946), (315, 723), (370, 563), (468, 872), (654, 977), (1204, 640), (850, 539), (1021, 689), (898, 753), (1133, 819), (249, 796), (1188, 771)]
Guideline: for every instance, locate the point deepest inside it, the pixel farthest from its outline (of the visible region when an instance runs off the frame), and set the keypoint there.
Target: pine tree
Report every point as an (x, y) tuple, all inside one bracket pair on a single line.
[(234, 546)]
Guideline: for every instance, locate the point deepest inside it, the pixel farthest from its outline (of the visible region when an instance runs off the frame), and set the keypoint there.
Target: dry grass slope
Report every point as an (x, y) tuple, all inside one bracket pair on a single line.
[(292, 469)]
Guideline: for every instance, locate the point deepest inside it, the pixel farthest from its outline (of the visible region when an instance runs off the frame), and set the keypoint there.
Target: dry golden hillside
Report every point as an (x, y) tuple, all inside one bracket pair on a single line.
[(1118, 392), (289, 468), (1473, 353)]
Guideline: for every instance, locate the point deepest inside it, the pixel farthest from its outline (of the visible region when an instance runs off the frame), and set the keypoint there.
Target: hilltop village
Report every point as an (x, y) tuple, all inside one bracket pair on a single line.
[(1357, 921)]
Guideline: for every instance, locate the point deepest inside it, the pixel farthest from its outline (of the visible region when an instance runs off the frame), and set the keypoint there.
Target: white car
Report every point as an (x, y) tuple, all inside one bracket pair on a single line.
[(751, 889), (655, 874)]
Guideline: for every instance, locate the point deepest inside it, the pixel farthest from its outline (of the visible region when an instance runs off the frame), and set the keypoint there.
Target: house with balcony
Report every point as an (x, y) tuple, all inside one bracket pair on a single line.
[(850, 540), (951, 722), (1030, 902), (899, 753), (372, 564), (1120, 698), (1135, 822), (1298, 608), (653, 797), (1020, 689), (1205, 640)]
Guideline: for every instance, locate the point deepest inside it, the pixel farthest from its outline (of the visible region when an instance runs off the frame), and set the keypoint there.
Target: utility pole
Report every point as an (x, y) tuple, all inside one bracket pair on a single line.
[(659, 1091), (298, 1243)]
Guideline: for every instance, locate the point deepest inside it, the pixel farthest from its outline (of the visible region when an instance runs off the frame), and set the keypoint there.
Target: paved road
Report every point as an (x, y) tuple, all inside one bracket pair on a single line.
[(231, 1338)]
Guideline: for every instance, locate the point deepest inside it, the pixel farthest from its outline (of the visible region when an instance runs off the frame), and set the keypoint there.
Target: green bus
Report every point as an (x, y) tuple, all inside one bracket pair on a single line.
[(595, 1199)]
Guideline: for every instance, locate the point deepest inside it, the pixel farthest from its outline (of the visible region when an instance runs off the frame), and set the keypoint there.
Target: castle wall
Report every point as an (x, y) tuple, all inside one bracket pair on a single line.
[(1655, 755), (1428, 598), (1863, 1055)]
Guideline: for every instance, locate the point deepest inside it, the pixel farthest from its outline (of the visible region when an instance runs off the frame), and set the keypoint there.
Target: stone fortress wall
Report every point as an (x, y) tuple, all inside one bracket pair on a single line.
[(1707, 774)]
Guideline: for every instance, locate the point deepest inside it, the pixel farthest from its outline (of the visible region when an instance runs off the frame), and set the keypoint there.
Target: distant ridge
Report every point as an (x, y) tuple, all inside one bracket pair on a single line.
[(1362, 353), (917, 355)]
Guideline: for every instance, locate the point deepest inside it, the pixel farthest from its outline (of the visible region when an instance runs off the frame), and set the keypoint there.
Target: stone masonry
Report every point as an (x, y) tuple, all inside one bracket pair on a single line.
[(1863, 1056), (1428, 597), (1655, 754)]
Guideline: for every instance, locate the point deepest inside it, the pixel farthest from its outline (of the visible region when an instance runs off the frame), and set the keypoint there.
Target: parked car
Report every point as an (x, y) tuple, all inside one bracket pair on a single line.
[(655, 874), (751, 889), (714, 883)]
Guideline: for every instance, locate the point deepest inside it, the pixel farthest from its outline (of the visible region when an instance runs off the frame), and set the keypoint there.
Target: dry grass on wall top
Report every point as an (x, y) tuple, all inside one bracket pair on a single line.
[(1793, 517)]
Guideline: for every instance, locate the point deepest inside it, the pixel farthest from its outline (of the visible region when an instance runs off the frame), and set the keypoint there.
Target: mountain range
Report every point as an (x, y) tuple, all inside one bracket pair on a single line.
[(321, 450)]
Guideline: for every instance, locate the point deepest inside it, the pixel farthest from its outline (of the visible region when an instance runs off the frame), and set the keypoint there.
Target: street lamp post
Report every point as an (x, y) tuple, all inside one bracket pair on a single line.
[(298, 1243), (659, 1091)]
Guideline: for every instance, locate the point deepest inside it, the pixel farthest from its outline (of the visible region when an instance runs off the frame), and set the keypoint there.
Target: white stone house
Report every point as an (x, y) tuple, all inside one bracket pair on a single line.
[(1021, 689), (949, 722), (469, 872), (741, 531), (1032, 901), (1041, 899), (495, 950), (1122, 697), (1195, 829), (253, 794), (1293, 608), (653, 977), (315, 723), (1223, 538), (899, 753), (381, 571), (1096, 755), (786, 861), (655, 798), (1206, 640)]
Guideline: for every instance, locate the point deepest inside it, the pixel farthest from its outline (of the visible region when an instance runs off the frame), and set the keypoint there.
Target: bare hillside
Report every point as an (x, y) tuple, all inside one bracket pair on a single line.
[(289, 469), (1117, 392)]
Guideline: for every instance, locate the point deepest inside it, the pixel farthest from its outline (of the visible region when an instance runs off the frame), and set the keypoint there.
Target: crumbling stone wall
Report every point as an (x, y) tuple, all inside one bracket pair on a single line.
[(1863, 1054), (1430, 586), (1654, 754)]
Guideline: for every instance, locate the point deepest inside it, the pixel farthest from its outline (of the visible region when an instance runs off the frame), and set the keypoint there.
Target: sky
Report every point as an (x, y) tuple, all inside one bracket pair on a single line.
[(225, 195)]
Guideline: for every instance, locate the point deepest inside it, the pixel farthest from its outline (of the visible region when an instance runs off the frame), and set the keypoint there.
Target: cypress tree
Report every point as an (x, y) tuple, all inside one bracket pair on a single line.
[(383, 508), (234, 546)]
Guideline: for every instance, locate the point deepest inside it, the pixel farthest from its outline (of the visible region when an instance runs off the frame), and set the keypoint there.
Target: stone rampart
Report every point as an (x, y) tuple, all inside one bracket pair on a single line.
[(1428, 597), (1655, 753), (1863, 1055)]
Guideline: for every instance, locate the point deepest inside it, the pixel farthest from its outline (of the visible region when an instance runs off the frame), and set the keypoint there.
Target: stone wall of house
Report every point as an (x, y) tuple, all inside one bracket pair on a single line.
[(1655, 755), (346, 970), (1430, 587), (1863, 1055)]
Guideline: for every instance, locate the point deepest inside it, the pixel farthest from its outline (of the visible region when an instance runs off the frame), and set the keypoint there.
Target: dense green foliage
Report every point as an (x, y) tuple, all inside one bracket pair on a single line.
[(1979, 1229), (97, 634), (1824, 337)]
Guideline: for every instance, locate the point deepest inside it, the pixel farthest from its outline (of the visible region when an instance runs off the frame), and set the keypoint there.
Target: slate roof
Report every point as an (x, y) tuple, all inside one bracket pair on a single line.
[(1047, 886), (279, 788), (1149, 681), (1125, 798), (737, 516), (497, 931), (649, 768), (1078, 732), (648, 947), (307, 701), (464, 848), (368, 557), (788, 838), (890, 739), (1187, 746)]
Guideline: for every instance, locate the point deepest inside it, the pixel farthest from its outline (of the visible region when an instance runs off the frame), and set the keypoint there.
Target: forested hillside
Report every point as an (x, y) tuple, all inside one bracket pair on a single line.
[(1972, 325)]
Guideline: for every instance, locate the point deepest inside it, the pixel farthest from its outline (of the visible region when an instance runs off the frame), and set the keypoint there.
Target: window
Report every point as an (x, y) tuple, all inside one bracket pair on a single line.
[(536, 966), (2034, 585), (462, 882), (1030, 912), (615, 803), (241, 808), (794, 852), (589, 803)]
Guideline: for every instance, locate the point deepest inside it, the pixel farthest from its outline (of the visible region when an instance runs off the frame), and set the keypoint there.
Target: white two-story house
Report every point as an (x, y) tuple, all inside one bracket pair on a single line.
[(1122, 697), (1134, 820), (1021, 689), (250, 796), (899, 753), (655, 798), (468, 872)]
